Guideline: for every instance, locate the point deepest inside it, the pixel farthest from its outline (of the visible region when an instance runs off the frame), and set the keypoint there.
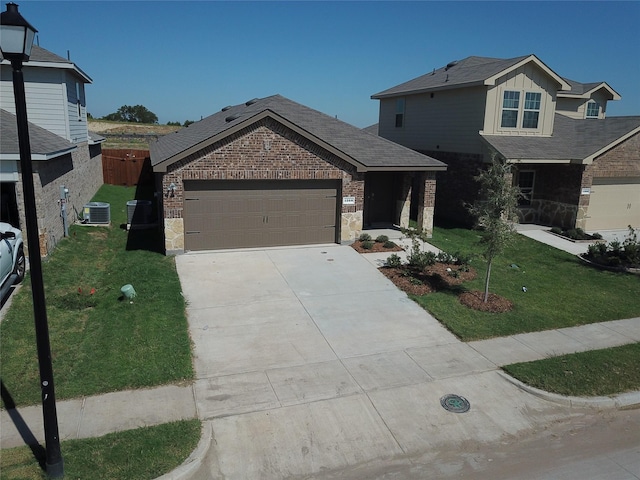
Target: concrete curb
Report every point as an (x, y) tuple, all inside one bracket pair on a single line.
[(192, 467), (623, 401)]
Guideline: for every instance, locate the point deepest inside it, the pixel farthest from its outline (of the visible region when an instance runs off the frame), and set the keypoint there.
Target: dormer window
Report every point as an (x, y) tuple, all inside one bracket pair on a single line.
[(399, 112), (513, 109), (510, 106), (531, 110), (593, 109)]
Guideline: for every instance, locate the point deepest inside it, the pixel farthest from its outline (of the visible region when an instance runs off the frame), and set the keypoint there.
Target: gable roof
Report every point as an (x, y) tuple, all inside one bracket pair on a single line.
[(585, 90), (365, 151), (44, 144), (573, 140), (472, 71), (41, 57)]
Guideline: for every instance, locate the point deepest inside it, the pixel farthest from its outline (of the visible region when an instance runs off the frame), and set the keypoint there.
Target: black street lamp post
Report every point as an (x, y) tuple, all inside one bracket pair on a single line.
[(16, 40)]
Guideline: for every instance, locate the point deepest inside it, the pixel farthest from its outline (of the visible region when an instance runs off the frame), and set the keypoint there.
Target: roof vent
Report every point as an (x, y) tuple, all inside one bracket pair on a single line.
[(231, 118), (252, 101), (451, 64), (224, 109)]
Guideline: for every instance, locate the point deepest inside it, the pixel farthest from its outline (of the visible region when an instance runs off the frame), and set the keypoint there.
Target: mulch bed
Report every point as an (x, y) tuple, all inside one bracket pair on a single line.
[(494, 303), (435, 277), (409, 282), (445, 276), (377, 247)]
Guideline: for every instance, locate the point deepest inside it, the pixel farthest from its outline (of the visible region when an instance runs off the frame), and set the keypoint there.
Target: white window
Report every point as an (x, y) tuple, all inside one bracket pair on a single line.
[(593, 109), (78, 102), (517, 114), (526, 181), (531, 110), (510, 107), (399, 112)]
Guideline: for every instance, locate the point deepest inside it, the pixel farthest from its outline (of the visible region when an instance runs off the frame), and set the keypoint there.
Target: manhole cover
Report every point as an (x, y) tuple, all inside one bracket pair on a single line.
[(455, 403)]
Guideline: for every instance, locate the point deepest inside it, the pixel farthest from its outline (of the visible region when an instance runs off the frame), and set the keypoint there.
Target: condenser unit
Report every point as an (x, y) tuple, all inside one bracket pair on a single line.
[(97, 213)]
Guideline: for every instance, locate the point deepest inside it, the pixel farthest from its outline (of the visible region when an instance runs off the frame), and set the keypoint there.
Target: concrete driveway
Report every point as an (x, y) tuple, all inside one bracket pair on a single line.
[(309, 361)]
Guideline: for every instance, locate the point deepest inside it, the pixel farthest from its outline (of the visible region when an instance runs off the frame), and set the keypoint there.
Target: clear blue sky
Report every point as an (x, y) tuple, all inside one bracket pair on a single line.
[(186, 60)]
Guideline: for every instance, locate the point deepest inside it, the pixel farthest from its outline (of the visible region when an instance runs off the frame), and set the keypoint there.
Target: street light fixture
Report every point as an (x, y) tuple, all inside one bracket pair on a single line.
[(16, 40)]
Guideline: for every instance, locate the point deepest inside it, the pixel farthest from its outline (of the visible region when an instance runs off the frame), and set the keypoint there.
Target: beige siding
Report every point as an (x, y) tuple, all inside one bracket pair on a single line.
[(528, 78), (571, 107), (577, 107), (450, 121)]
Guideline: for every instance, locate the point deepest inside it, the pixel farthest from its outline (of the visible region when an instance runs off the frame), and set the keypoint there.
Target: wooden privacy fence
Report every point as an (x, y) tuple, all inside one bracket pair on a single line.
[(126, 167)]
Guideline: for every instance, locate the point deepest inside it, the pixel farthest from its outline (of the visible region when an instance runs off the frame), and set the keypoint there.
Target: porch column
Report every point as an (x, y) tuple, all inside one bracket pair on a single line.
[(404, 200), (426, 202)]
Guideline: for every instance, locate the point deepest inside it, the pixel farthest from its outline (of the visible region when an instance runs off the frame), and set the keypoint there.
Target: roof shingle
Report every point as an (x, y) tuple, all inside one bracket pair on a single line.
[(572, 139), (368, 150), (42, 141)]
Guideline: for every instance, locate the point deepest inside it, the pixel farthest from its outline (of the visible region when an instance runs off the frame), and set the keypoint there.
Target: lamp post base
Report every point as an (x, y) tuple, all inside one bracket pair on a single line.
[(55, 470)]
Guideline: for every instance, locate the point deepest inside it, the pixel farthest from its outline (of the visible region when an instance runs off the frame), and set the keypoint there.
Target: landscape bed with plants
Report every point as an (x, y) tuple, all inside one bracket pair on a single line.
[(617, 255), (547, 287)]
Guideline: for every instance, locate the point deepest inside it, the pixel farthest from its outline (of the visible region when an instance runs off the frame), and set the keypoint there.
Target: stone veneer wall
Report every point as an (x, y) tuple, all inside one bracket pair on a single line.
[(555, 194), (80, 173), (427, 197), (266, 150)]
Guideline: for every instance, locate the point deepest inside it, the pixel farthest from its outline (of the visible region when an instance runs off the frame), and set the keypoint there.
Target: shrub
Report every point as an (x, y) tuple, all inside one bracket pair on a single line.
[(593, 250), (394, 261), (573, 234), (463, 259), (389, 244), (420, 260), (444, 257), (364, 237), (556, 230), (367, 244), (382, 239), (596, 236), (580, 233)]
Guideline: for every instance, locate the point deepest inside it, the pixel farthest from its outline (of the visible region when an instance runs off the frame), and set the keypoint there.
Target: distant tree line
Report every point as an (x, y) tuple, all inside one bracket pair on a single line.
[(138, 114), (178, 124)]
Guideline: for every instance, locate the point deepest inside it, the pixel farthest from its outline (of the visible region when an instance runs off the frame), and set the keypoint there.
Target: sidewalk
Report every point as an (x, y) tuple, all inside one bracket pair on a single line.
[(101, 414)]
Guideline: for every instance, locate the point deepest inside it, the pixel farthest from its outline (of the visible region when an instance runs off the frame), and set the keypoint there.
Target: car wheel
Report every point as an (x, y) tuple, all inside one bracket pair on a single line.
[(19, 269)]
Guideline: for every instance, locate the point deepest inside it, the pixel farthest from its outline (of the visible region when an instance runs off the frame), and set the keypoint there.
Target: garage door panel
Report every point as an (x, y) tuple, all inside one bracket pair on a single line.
[(614, 203), (236, 214)]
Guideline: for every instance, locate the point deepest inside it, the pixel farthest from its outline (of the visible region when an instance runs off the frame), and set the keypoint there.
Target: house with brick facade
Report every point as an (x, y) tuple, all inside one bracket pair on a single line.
[(64, 154), (273, 172), (575, 167)]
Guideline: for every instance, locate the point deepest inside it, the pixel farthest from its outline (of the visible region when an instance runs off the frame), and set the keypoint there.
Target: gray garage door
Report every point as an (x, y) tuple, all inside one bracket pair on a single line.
[(259, 213)]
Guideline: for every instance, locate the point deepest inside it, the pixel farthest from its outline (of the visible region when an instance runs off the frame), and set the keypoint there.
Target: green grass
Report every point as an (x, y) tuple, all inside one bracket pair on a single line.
[(142, 453), (593, 373), (101, 342), (561, 291)]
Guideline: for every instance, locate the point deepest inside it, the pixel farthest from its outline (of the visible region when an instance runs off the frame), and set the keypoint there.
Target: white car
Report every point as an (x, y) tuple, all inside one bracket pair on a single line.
[(12, 261)]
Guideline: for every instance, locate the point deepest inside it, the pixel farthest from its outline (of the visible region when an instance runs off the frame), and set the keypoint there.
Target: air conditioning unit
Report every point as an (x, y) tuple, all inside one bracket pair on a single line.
[(97, 213)]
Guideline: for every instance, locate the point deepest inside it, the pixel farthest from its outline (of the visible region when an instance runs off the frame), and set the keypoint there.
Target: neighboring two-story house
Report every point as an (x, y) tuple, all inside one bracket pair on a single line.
[(575, 167), (63, 152)]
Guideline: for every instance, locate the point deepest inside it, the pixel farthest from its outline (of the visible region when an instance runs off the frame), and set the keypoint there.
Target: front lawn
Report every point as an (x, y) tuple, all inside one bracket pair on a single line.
[(101, 342), (560, 290), (594, 373), (133, 454)]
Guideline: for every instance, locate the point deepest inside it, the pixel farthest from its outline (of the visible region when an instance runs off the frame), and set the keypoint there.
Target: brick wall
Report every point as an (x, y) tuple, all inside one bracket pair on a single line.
[(265, 150), (621, 161), (79, 171)]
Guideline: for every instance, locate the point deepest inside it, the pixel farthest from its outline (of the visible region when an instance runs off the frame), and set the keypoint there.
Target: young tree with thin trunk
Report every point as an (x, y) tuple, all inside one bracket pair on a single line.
[(496, 211)]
